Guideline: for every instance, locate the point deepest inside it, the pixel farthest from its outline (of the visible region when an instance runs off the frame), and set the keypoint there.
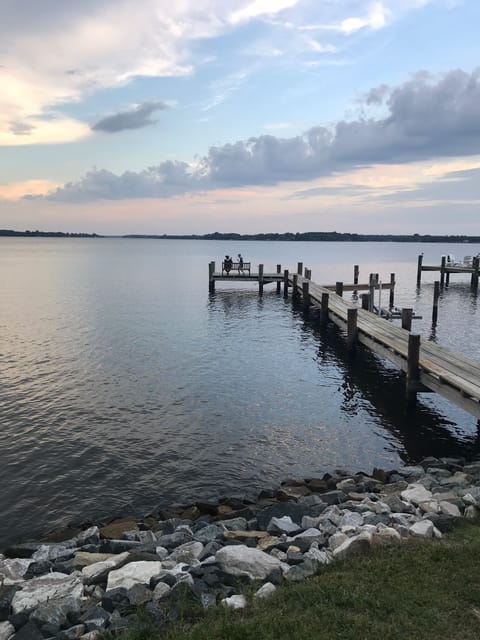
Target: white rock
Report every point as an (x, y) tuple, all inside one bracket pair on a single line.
[(450, 509), (471, 512), (39, 590), (386, 536), (240, 560), (353, 546), (382, 508), (133, 573), (283, 525), (99, 570), (310, 521), (6, 630), (416, 493), (161, 552), (235, 602), (437, 533), (310, 534), (430, 506), (51, 552), (351, 519), (12, 570), (265, 591), (422, 529), (322, 557), (336, 540), (187, 552)]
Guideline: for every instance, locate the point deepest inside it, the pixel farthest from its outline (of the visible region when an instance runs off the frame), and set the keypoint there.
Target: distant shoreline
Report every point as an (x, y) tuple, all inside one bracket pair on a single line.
[(312, 236)]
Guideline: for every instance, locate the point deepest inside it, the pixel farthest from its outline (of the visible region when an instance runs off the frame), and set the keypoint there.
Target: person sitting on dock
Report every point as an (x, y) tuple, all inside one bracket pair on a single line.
[(227, 263), (240, 264)]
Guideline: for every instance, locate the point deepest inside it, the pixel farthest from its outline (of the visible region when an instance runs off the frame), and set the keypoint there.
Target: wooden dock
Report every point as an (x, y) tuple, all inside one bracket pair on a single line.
[(427, 366), (447, 267)]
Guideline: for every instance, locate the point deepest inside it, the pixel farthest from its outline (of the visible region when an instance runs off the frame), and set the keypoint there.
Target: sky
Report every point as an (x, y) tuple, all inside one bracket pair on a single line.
[(248, 116)]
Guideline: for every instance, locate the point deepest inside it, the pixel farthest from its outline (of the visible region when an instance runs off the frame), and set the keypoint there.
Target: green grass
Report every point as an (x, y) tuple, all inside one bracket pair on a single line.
[(417, 591)]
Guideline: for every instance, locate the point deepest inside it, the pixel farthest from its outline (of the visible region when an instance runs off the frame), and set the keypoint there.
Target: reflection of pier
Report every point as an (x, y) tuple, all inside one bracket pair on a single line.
[(448, 265), (428, 367)]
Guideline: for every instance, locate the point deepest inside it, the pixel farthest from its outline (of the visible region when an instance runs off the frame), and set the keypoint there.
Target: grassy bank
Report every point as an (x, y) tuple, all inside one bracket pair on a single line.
[(420, 590)]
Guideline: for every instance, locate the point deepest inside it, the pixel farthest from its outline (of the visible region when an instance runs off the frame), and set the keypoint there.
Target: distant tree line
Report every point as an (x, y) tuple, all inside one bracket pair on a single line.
[(47, 234)]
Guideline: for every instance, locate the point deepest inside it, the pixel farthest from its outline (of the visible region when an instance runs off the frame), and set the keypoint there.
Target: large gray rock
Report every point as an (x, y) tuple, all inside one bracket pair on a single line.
[(422, 529), (13, 570), (212, 532), (39, 590), (240, 560), (188, 552), (358, 545), (57, 611), (265, 591), (133, 573), (98, 571), (6, 630), (53, 552), (281, 525), (450, 509), (416, 493)]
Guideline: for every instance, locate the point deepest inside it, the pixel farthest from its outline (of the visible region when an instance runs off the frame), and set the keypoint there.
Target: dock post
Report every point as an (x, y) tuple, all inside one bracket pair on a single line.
[(260, 279), (356, 272), (211, 271), (407, 315), (371, 284), (419, 269), (295, 286), (365, 301), (474, 280), (412, 368), (442, 271), (299, 268), (306, 295), (285, 283), (339, 289), (279, 270), (447, 278), (352, 330), (324, 310), (436, 295), (391, 298), (308, 274)]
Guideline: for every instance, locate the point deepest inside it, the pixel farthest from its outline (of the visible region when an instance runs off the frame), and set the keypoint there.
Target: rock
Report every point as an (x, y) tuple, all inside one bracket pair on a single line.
[(240, 560), (209, 533), (155, 613), (13, 570), (292, 493), (39, 590), (334, 497), (265, 591), (307, 537), (385, 536), (188, 552), (95, 618), (431, 506), (337, 540), (267, 542), (133, 573), (244, 535), (412, 473), (139, 594), (416, 493), (422, 529), (301, 571), (235, 602), (73, 633), (28, 631), (351, 519), (239, 524), (450, 509), (57, 611), (358, 545), (471, 513), (114, 530), (281, 525), (84, 558), (161, 591), (98, 572), (6, 630), (293, 510), (321, 557), (172, 540)]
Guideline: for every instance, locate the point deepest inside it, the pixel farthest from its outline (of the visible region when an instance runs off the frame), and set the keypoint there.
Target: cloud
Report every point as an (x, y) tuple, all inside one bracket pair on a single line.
[(423, 120), (138, 118)]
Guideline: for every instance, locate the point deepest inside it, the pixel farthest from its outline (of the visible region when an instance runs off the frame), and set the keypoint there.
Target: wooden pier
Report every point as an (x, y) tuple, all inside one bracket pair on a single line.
[(447, 267), (427, 366)]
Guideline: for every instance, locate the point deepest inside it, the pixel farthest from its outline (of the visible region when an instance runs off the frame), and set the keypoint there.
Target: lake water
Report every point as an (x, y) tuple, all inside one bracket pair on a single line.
[(124, 382)]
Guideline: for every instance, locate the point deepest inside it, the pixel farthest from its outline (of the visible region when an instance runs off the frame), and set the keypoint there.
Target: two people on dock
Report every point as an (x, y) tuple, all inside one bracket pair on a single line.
[(228, 264)]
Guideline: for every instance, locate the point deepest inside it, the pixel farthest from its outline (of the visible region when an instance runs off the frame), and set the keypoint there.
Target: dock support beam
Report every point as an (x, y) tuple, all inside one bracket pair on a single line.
[(474, 280), (260, 279), (366, 301), (211, 281), (352, 330), (419, 269), (306, 295), (391, 299), (295, 286), (324, 310), (442, 271), (407, 315), (339, 289), (300, 268), (412, 369), (356, 273), (279, 270), (285, 283), (436, 295)]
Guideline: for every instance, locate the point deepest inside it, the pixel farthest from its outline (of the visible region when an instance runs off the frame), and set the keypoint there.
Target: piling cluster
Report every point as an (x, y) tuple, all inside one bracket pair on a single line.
[(75, 584)]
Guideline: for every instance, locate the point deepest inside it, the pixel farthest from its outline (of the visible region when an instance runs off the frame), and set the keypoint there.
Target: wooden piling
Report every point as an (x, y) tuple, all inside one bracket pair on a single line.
[(371, 282), (279, 270), (447, 278), (412, 368), (365, 301), (295, 286), (211, 271), (285, 283), (339, 288), (356, 273), (436, 295), (474, 279), (419, 269), (442, 271), (391, 299), (308, 274), (324, 310), (306, 295), (407, 315), (352, 330), (300, 268), (260, 279)]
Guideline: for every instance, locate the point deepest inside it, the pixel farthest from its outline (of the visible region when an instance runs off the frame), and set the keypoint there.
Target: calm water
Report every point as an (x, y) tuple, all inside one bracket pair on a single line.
[(124, 382)]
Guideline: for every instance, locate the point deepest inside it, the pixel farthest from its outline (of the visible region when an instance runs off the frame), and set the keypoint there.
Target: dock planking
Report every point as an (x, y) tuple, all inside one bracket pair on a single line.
[(428, 367)]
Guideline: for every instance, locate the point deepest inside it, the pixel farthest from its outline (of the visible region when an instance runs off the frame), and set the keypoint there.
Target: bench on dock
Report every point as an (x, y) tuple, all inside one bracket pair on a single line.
[(236, 267)]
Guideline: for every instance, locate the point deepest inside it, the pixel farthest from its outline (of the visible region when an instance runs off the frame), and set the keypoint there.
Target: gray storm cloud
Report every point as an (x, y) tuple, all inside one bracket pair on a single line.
[(137, 118), (423, 119)]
